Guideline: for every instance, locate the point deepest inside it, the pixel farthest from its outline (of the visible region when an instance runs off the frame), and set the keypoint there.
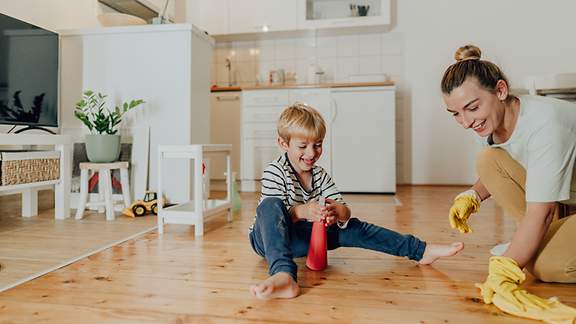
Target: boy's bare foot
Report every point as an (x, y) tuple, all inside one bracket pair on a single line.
[(435, 251), (280, 285)]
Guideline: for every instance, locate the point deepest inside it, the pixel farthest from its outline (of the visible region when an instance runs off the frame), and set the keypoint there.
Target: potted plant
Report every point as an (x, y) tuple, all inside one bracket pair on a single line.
[(103, 142)]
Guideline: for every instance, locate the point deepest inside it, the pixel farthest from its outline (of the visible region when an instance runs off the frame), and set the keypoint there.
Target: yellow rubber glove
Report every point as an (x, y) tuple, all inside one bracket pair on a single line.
[(502, 289), (465, 204)]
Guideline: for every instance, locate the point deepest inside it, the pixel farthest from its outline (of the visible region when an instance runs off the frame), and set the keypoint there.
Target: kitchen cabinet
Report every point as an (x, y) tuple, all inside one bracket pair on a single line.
[(211, 16), (315, 14), (260, 112), (225, 129), (363, 139), (252, 16), (359, 146)]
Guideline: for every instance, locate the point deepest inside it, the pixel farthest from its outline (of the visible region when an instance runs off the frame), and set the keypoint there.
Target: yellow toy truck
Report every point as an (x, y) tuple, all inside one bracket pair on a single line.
[(141, 207)]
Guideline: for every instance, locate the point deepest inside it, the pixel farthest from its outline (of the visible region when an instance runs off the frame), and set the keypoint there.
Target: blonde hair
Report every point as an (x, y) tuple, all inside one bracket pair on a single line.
[(469, 64), (301, 120)]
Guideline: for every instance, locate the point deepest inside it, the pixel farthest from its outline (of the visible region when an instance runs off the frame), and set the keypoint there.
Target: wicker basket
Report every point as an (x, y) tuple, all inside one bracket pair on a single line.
[(28, 167)]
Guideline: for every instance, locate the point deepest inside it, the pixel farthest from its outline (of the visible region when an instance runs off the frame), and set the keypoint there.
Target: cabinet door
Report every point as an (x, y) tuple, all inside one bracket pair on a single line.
[(258, 153), (211, 16), (363, 140), (320, 100), (225, 129), (252, 16)]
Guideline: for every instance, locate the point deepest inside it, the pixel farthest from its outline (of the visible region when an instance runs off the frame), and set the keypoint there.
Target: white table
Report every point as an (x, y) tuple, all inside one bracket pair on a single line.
[(62, 144), (197, 210)]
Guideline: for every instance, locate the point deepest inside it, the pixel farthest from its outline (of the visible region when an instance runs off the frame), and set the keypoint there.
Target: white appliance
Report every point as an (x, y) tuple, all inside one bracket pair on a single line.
[(364, 139)]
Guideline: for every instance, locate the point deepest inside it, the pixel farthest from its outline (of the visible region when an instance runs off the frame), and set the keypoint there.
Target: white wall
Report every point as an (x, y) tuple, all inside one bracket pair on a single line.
[(523, 37)]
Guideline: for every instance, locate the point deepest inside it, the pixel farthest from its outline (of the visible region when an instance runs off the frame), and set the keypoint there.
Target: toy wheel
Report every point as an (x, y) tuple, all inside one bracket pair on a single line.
[(154, 209), (139, 210)]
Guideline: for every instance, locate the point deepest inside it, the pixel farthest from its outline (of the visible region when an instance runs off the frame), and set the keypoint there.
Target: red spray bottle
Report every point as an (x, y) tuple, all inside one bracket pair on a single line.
[(317, 258)]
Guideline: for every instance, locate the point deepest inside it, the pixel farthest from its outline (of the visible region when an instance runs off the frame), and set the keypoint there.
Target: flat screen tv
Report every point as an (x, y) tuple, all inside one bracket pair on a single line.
[(28, 74)]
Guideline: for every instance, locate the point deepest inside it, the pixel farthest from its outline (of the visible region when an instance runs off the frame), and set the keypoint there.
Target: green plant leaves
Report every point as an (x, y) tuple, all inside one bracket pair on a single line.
[(91, 111)]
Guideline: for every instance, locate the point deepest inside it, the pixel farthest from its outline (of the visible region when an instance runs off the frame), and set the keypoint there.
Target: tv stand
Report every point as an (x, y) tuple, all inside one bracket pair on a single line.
[(34, 127), (62, 144)]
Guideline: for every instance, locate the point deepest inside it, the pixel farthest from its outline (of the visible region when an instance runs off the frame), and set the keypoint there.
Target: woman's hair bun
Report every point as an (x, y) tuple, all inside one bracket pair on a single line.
[(468, 52)]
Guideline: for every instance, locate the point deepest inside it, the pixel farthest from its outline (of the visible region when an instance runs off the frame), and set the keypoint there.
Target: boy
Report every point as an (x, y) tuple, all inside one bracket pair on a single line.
[(291, 186)]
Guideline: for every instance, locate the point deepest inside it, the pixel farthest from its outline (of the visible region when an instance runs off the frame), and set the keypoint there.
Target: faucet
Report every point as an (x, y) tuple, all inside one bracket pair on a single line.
[(228, 66)]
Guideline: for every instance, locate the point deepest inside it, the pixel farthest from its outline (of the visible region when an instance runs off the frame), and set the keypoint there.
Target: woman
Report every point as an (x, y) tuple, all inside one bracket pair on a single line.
[(528, 168)]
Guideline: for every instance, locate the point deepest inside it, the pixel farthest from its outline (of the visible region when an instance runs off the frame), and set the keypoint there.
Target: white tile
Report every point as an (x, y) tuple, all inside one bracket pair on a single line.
[(266, 50), (370, 64), (347, 45), (287, 65), (392, 44), (302, 71), (346, 67), (244, 51), (222, 52), (213, 78), (370, 44), (326, 47), (305, 48), (393, 64), (330, 67), (263, 69), (285, 49), (246, 72), (221, 74)]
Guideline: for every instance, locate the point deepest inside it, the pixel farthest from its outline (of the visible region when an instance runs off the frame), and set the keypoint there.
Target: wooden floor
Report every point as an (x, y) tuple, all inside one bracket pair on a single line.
[(31, 246), (180, 279)]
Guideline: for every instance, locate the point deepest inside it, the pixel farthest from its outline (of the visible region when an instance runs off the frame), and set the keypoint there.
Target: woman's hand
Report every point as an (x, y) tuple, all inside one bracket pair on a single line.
[(502, 288), (465, 204)]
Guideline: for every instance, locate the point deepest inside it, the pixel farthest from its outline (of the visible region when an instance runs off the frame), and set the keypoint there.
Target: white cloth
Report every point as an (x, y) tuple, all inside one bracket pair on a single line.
[(499, 249), (544, 143)]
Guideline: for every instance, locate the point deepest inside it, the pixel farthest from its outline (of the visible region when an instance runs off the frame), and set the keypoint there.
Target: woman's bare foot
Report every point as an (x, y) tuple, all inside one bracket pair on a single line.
[(280, 285), (435, 251)]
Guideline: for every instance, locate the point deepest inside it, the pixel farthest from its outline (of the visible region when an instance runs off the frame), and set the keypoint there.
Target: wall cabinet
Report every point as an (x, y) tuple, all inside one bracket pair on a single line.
[(251, 16), (210, 15), (359, 146), (315, 14), (227, 17)]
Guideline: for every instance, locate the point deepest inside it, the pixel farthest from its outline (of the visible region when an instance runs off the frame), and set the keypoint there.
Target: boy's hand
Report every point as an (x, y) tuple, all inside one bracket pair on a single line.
[(336, 211), (314, 211)]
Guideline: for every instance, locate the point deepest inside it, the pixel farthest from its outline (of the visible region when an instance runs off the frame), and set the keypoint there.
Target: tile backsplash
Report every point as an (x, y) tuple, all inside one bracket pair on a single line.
[(342, 58)]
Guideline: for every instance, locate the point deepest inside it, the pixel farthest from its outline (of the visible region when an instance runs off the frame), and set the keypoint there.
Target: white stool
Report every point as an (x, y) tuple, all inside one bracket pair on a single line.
[(104, 186), (199, 208)]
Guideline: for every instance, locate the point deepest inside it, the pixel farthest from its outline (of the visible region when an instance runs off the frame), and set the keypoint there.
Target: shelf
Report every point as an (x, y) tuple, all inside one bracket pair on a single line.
[(337, 13), (28, 185), (211, 206)]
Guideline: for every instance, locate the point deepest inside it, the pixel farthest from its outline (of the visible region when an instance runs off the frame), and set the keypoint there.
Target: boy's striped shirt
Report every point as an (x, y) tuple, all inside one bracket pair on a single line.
[(280, 180)]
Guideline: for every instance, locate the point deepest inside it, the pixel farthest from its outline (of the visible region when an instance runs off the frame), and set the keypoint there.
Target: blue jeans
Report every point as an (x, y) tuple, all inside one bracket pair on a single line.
[(276, 238)]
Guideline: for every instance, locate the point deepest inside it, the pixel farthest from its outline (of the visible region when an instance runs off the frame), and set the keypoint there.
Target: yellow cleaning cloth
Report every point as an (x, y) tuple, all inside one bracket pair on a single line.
[(501, 289), (463, 207)]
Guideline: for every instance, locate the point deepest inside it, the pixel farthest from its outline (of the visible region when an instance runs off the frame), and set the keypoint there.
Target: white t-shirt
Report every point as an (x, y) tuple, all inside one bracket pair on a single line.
[(544, 143)]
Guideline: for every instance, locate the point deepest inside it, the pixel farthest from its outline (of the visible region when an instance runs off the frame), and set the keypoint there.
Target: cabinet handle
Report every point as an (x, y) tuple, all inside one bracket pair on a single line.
[(227, 98), (267, 117)]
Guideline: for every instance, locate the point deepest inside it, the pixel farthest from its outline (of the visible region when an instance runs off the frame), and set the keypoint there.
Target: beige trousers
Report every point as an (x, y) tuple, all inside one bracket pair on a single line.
[(505, 179)]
